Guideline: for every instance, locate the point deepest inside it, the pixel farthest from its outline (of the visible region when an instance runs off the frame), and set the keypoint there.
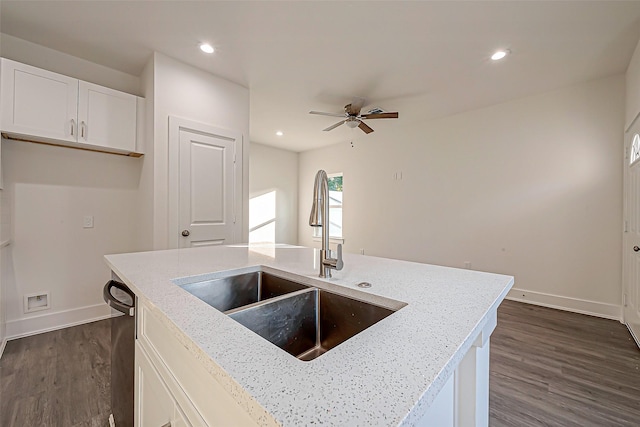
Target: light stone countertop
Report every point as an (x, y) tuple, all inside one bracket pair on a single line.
[(387, 375)]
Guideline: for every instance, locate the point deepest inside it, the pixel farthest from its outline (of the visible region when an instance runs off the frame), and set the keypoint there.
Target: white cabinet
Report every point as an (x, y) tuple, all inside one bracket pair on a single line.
[(106, 117), (42, 106), (38, 102), (199, 398), (154, 404)]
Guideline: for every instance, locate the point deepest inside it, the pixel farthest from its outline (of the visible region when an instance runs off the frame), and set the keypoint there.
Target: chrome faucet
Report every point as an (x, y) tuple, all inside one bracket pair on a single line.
[(320, 218)]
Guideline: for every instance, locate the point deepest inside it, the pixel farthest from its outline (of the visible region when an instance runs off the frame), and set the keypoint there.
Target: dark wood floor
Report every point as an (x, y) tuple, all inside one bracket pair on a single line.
[(60, 378), (553, 368), (548, 368)]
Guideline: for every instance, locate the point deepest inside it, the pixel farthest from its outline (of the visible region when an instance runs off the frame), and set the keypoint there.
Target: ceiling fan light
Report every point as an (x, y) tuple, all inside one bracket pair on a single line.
[(353, 123)]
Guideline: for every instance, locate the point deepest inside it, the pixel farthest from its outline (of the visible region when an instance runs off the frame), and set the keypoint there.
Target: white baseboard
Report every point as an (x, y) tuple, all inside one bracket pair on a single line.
[(3, 344), (576, 305), (58, 320)]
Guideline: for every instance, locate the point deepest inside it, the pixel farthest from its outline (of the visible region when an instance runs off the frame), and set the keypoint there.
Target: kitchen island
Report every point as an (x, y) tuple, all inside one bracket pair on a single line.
[(426, 364)]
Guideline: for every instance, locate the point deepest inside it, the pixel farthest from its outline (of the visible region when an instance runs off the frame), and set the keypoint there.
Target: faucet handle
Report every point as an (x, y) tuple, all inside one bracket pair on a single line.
[(339, 263)]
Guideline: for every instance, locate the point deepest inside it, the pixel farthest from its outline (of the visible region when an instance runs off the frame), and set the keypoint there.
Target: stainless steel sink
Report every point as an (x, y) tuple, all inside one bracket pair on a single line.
[(241, 290), (311, 322), (302, 320)]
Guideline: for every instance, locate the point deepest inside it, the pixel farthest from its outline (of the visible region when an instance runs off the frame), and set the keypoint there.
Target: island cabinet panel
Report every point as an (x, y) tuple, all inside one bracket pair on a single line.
[(154, 404), (442, 412), (464, 400), (41, 106), (202, 399)]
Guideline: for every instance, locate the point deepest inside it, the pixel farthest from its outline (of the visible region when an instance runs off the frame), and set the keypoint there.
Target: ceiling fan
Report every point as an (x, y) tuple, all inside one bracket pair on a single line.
[(354, 119)]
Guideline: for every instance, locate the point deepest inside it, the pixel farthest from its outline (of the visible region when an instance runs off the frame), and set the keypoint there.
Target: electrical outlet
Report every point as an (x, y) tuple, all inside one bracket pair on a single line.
[(87, 222), (361, 251), (467, 265)]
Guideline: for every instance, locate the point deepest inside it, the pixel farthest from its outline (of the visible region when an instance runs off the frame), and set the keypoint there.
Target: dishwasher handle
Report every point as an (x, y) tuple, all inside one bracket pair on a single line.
[(113, 302)]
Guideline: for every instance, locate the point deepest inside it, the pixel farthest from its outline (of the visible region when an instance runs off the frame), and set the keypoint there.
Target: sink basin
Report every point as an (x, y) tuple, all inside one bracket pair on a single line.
[(241, 290), (302, 320), (309, 323)]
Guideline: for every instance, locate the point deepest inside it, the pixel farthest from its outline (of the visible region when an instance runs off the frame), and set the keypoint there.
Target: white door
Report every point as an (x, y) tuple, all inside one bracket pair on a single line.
[(206, 212), (631, 239), (106, 117), (38, 103)]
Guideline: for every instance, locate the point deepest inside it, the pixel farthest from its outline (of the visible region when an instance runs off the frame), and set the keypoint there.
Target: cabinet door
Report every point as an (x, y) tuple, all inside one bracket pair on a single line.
[(154, 405), (38, 103), (179, 419), (106, 117)]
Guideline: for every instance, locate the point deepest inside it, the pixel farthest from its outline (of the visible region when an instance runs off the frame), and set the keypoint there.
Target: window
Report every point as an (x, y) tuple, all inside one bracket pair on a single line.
[(335, 208), (635, 149)]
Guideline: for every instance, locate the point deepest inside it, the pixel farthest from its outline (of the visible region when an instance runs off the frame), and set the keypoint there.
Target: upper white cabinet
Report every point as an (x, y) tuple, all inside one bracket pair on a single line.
[(43, 106), (38, 102), (106, 117)]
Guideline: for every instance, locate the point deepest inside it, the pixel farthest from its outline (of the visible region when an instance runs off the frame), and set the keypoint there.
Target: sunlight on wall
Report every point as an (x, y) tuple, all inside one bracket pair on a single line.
[(262, 218)]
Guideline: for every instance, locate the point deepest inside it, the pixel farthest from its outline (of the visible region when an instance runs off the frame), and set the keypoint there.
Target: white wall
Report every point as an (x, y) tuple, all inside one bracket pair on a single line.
[(530, 188), (5, 223), (5, 234), (47, 191), (273, 177), (145, 214), (633, 88), (187, 92), (59, 62), (51, 190)]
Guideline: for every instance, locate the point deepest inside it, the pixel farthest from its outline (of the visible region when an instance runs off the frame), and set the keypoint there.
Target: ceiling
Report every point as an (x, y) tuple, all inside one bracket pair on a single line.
[(425, 59)]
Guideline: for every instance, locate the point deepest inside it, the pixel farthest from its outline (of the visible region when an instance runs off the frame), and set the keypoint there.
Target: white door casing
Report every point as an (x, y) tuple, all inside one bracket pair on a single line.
[(204, 181), (631, 237)]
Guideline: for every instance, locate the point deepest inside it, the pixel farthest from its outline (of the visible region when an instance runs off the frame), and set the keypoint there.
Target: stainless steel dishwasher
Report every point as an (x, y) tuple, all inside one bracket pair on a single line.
[(123, 334)]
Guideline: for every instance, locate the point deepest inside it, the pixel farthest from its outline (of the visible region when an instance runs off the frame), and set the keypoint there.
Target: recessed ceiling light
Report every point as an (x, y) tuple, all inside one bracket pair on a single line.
[(499, 54), (279, 133), (206, 48)]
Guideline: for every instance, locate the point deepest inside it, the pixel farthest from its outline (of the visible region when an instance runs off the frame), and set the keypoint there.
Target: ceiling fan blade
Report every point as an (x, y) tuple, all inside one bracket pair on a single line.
[(320, 113), (366, 129), (334, 126), (380, 116)]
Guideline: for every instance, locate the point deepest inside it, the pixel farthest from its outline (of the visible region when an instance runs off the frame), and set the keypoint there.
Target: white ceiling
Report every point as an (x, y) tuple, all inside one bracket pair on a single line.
[(424, 59)]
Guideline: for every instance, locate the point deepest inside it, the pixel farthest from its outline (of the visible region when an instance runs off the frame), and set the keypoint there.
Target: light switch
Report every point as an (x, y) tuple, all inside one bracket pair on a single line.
[(87, 222)]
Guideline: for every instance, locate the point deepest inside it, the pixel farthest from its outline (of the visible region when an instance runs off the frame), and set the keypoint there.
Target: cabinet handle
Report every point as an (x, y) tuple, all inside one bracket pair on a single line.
[(167, 424), (73, 126), (83, 127)]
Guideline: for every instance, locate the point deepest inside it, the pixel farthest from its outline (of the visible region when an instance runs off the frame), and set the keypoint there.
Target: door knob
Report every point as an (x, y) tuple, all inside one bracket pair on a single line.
[(636, 249), (185, 233)]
